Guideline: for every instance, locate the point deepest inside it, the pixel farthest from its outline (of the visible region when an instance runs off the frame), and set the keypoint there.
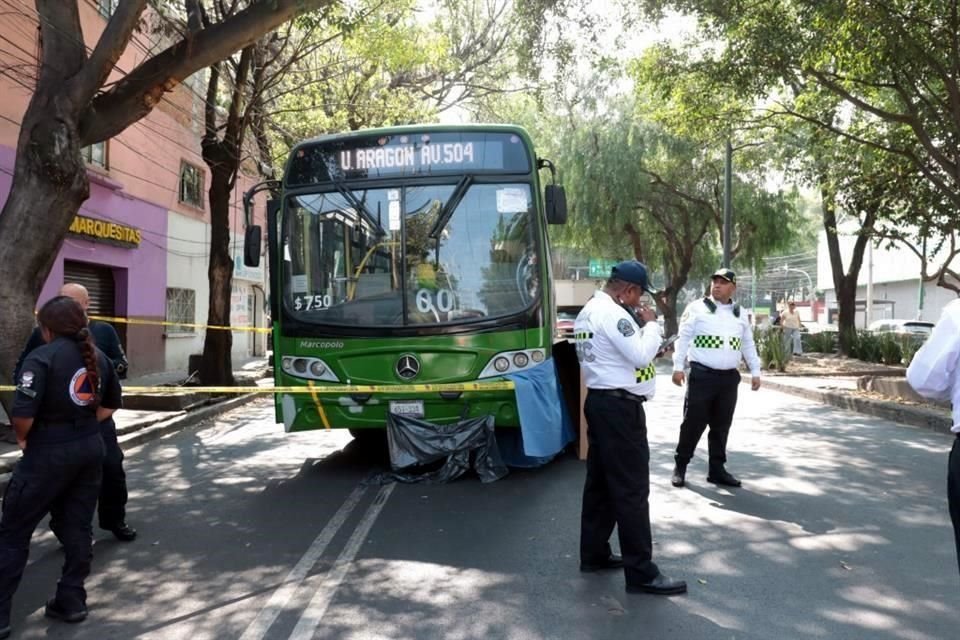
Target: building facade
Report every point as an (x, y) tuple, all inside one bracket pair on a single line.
[(141, 242), (889, 278)]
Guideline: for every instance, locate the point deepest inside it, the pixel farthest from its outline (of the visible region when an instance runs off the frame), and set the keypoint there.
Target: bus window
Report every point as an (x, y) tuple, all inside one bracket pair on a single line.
[(421, 254)]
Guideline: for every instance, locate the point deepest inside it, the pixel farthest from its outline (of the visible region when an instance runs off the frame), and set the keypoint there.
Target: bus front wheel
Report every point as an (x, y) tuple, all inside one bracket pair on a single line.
[(370, 437)]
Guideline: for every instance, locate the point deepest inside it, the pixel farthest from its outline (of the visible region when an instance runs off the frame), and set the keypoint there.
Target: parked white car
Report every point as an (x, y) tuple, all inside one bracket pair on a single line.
[(911, 327)]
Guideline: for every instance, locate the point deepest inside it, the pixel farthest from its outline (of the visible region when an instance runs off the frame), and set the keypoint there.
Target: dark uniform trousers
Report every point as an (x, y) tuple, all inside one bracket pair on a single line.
[(617, 487), (111, 507), (711, 399), (113, 492), (62, 479), (953, 490)]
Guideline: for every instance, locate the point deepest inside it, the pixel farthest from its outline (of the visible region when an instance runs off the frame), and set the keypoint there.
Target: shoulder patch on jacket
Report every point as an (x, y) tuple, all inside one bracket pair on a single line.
[(625, 327)]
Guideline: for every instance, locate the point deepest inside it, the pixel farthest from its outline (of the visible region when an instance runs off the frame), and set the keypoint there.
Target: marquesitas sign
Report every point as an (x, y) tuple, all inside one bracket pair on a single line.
[(105, 231)]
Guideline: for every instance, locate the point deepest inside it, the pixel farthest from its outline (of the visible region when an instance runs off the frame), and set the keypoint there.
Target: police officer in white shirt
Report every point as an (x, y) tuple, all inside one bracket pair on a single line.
[(713, 334), (617, 340), (933, 373)]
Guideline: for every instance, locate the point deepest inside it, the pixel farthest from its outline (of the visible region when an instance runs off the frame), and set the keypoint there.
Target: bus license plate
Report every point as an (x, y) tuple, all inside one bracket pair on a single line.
[(407, 408)]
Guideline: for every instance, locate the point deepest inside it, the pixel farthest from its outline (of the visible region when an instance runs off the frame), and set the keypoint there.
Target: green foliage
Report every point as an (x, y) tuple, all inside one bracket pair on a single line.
[(775, 354), (823, 342), (864, 345), (890, 351), (909, 345)]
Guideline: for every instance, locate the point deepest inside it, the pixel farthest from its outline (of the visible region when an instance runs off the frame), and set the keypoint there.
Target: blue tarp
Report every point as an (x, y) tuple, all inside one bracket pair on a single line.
[(545, 424)]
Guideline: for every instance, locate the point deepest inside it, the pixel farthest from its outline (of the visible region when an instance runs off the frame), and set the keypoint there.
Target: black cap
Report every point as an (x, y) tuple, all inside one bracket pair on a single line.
[(634, 272), (726, 274)]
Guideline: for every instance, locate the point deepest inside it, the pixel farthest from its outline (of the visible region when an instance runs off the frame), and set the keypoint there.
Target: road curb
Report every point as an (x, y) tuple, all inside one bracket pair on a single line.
[(136, 434), (886, 409), (153, 429)]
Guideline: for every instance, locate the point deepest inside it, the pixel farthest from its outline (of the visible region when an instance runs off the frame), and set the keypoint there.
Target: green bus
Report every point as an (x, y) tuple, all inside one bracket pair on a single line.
[(409, 271)]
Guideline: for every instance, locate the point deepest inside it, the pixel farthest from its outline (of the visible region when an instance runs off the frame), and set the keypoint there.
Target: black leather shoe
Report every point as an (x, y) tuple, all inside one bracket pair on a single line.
[(679, 476), (123, 532), (660, 586), (4, 632), (55, 611), (722, 476), (613, 561)]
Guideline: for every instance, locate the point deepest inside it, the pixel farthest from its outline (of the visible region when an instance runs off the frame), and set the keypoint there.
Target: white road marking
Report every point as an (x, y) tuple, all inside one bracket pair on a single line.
[(278, 601), (313, 614)]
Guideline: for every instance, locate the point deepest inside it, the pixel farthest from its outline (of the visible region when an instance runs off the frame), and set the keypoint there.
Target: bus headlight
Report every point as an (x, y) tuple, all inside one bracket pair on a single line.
[(308, 368), (511, 361)]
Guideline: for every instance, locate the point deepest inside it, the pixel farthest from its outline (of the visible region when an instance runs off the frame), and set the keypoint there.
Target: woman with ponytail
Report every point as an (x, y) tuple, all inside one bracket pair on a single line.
[(64, 390)]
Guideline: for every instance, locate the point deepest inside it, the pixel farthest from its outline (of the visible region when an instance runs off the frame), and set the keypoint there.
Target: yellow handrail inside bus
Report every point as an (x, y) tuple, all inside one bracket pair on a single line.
[(356, 274)]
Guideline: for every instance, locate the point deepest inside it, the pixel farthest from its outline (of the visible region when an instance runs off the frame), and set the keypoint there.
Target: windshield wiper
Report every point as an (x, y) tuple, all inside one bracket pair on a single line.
[(361, 208), (458, 192)]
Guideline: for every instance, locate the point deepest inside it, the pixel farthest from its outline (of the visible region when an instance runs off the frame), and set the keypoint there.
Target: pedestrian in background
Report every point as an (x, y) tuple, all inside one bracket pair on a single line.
[(933, 373), (790, 320), (112, 505), (64, 391), (714, 334), (616, 345)]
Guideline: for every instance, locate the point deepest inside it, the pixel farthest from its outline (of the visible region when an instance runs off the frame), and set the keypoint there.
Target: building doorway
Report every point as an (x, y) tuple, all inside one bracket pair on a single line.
[(101, 286)]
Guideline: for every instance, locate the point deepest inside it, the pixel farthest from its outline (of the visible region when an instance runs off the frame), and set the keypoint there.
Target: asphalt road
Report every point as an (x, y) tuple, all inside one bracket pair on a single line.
[(840, 531)]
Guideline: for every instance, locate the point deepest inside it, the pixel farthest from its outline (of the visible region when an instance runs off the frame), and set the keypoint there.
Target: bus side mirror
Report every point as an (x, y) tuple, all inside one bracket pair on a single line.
[(252, 238), (555, 199)]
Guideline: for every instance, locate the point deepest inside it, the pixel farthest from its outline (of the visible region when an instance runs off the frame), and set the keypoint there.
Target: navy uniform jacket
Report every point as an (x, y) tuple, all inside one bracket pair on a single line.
[(104, 336), (53, 388)]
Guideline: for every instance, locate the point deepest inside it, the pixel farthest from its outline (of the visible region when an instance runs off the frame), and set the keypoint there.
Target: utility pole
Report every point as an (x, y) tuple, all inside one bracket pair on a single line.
[(868, 316), (727, 204), (920, 292)]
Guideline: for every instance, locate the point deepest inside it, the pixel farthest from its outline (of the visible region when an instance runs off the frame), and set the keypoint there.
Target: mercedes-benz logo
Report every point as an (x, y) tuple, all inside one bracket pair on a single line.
[(408, 367)]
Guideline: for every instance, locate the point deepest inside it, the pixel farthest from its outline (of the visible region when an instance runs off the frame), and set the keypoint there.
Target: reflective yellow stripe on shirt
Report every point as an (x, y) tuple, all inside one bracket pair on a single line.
[(647, 373), (708, 342)]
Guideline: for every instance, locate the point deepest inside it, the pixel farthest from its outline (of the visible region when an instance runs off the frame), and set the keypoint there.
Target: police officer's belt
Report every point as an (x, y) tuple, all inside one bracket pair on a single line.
[(702, 367), (623, 394)]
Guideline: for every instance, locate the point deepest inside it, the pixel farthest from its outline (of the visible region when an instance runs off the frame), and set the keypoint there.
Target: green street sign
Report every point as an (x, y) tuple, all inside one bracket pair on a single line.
[(600, 268)]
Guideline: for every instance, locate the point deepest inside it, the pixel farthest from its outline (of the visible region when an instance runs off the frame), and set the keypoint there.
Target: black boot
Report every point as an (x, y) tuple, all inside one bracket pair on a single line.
[(679, 475), (719, 475)]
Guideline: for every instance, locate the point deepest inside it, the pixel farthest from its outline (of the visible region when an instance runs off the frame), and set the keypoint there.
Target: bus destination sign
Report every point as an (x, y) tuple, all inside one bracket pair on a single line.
[(408, 154)]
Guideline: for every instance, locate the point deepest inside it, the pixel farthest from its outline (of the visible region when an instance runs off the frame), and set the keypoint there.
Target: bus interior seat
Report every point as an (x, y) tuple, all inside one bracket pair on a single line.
[(372, 284)]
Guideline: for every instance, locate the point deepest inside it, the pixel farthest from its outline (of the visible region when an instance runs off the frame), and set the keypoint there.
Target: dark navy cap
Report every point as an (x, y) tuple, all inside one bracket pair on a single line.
[(633, 272), (726, 274)]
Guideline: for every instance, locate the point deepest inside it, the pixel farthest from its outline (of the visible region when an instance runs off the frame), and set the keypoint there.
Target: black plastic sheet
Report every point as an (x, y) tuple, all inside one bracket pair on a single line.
[(464, 445)]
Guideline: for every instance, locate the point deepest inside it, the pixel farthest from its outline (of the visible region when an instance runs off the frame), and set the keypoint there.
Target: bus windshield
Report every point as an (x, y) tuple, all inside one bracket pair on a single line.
[(409, 255)]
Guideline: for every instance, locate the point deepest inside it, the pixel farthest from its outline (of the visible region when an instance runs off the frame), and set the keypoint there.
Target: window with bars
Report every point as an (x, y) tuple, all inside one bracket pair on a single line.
[(191, 185), (181, 307), (95, 154), (107, 7)]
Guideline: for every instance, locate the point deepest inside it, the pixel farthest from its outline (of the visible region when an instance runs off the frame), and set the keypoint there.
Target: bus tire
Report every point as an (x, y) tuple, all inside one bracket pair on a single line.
[(370, 437)]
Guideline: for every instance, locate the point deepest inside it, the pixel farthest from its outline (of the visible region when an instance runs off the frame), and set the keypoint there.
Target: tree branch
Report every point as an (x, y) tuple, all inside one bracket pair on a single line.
[(113, 41), (62, 52), (138, 93)]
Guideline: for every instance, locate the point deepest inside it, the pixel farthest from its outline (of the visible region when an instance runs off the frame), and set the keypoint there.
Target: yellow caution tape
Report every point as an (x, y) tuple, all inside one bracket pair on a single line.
[(166, 323), (326, 389)]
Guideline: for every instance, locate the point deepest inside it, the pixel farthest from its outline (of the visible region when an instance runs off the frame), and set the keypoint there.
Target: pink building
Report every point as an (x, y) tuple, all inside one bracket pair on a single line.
[(141, 241)]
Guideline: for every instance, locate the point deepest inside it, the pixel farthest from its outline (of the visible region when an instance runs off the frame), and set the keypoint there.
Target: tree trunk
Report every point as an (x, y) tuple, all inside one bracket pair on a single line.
[(846, 314), (49, 185), (845, 284), (667, 304), (216, 366)]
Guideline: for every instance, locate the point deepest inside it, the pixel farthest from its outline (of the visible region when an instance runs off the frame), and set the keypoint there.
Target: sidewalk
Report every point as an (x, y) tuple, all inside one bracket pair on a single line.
[(136, 426), (842, 392)]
